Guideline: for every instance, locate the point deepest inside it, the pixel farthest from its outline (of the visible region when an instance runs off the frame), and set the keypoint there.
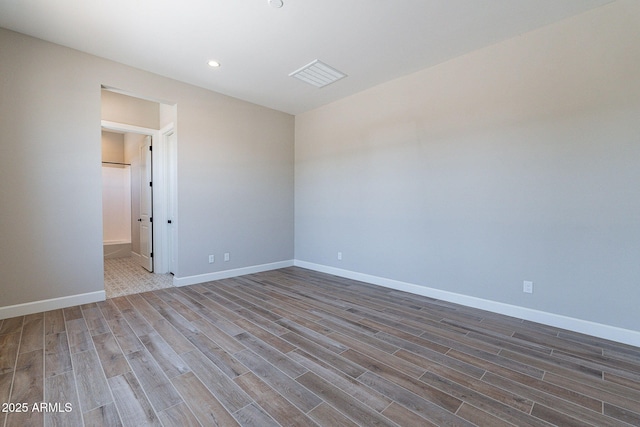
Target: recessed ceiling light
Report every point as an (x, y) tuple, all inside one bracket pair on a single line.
[(277, 4), (214, 64)]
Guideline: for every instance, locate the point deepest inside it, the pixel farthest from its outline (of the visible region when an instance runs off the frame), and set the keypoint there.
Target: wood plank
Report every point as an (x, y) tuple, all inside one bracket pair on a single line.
[(161, 393), (72, 313), (61, 389), (132, 404), (411, 343), (9, 345), (28, 378), (273, 403), (32, 333), (200, 291), (290, 389), (206, 408), (136, 321), (266, 336), (93, 391), (252, 415), (479, 417), (541, 391), (621, 397), (144, 308), (324, 340), (271, 355), (178, 306), (169, 361), (354, 388), (111, 357), (326, 415), (126, 338), (225, 390), (404, 417), (629, 417), (178, 342), (217, 335), (102, 416), (551, 364), (495, 364), (178, 416), (96, 323), (376, 318), (427, 358), (311, 348), (270, 326), (109, 310), (360, 414), (554, 417), (495, 401), (182, 324), (57, 357), (231, 294), (621, 381), (363, 337), (469, 389), (391, 375), (223, 360), (211, 311), (5, 387), (78, 335), (381, 356), (54, 322), (28, 387), (11, 325), (438, 408)]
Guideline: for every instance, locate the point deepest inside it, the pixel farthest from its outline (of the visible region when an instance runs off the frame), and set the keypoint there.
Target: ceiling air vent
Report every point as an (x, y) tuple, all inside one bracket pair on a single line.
[(318, 74)]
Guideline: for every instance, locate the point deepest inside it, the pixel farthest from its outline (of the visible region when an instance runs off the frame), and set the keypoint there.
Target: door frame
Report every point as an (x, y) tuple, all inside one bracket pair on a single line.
[(164, 166), (169, 184)]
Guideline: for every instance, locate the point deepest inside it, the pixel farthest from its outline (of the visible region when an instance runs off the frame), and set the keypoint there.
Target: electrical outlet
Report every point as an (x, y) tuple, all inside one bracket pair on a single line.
[(339, 256), (226, 256), (527, 287), (212, 259)]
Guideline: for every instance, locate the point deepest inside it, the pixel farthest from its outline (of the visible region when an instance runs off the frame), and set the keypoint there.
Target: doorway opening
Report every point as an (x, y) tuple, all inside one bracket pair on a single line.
[(139, 195)]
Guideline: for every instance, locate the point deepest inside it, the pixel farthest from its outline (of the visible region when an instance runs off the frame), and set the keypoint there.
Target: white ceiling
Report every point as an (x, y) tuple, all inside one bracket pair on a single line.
[(372, 41)]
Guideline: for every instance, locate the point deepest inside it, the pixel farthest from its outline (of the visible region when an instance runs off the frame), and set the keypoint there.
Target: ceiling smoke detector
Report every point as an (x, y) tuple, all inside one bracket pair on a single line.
[(276, 4), (318, 74)]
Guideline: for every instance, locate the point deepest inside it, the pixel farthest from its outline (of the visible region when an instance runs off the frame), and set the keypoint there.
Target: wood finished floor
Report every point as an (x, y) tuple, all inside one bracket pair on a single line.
[(293, 347)]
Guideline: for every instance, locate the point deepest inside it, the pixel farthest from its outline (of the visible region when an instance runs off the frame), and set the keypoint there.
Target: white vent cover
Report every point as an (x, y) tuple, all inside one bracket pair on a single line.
[(318, 74)]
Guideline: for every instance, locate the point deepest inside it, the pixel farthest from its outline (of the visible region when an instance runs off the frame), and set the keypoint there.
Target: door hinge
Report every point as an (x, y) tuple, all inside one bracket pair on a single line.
[(150, 184), (150, 219), (150, 148), (151, 255)]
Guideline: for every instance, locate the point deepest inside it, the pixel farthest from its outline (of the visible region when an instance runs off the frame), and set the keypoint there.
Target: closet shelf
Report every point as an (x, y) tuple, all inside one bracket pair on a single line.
[(116, 163)]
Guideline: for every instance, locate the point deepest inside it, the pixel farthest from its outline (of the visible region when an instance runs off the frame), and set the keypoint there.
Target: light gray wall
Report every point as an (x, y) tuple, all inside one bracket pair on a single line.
[(235, 172), (120, 108), (516, 162), (112, 147)]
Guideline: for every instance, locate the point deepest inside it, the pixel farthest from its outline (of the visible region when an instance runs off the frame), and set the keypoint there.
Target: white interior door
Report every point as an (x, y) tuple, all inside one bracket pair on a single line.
[(146, 203)]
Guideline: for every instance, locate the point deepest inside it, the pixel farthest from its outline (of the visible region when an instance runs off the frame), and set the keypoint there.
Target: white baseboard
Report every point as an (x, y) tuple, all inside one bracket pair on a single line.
[(218, 275), (50, 304), (600, 330)]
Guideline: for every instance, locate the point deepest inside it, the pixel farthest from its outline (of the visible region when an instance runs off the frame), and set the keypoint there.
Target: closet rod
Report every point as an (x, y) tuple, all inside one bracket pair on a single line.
[(116, 163)]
